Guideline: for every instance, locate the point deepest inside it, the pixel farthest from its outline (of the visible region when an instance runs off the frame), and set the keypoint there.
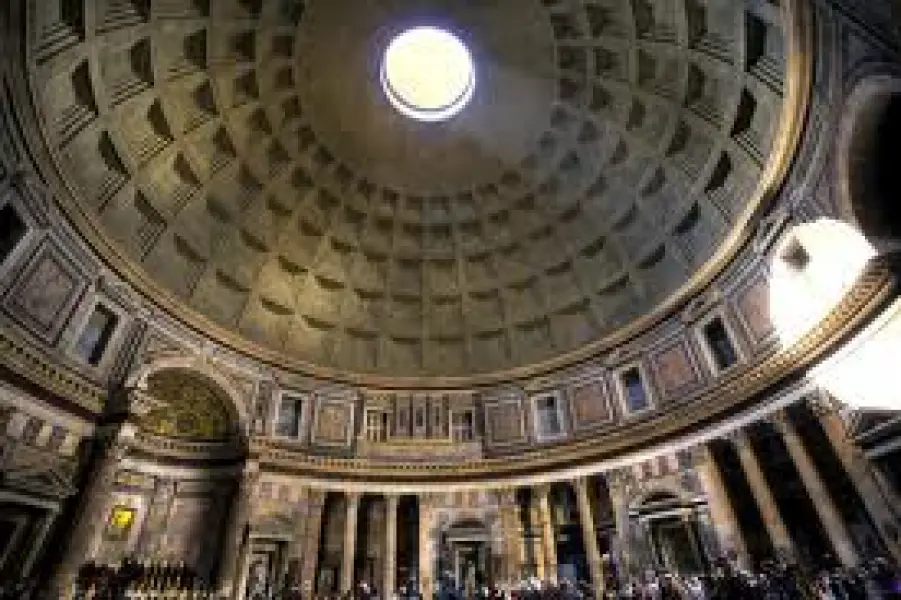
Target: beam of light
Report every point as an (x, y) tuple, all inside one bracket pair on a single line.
[(813, 268)]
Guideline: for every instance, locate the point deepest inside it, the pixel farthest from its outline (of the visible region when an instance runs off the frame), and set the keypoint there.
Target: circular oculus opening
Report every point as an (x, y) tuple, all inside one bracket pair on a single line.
[(427, 74)]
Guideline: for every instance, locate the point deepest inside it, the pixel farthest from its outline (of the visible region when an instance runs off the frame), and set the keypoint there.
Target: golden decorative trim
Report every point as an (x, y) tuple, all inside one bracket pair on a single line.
[(797, 17)]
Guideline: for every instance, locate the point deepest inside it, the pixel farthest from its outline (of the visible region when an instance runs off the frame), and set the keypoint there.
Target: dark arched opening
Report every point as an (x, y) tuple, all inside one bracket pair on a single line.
[(873, 173)]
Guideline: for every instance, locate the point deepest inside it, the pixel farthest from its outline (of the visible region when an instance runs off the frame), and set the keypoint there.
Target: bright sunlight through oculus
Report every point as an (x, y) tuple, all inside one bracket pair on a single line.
[(428, 74)]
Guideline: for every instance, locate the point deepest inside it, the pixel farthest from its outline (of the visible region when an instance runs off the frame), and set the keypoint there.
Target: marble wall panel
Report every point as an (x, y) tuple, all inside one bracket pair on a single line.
[(333, 423), (504, 423), (45, 293), (589, 403), (753, 308), (676, 368)]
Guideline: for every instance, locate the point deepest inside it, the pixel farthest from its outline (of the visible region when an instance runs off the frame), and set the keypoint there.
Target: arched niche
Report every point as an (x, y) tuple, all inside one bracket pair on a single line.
[(869, 177), (186, 404), (201, 379)]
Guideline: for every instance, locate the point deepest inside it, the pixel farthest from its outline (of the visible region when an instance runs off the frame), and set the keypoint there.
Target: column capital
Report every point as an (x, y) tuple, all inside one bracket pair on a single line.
[(821, 403), (116, 440), (315, 496), (619, 480), (781, 421), (739, 438), (542, 490), (392, 500), (580, 483), (425, 499), (506, 496), (700, 455)]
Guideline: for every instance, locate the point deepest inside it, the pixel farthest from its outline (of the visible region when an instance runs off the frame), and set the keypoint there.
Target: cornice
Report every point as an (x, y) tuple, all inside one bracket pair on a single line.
[(34, 365), (874, 287)]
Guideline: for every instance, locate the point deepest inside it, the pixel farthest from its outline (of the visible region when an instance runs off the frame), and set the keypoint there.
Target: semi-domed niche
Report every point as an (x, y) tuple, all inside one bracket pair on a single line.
[(868, 159), (188, 406), (241, 162)]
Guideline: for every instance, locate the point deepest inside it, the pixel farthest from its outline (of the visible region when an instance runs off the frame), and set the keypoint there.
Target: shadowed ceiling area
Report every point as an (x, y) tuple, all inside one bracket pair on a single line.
[(241, 158)]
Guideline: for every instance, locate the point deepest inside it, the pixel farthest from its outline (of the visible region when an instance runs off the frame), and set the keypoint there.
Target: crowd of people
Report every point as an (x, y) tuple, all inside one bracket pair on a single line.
[(133, 575), (130, 580), (874, 580)]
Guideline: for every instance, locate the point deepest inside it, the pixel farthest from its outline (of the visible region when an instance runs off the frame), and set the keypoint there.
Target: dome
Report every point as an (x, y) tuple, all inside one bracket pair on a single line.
[(321, 297), (241, 163)]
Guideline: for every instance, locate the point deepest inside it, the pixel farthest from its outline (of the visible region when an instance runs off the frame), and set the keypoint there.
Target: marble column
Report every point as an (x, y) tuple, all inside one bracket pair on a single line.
[(95, 504), (816, 488), (725, 521), (590, 536), (514, 555), (236, 539), (390, 560), (536, 539), (426, 558), (315, 508), (350, 541), (763, 497), (548, 539), (883, 505), (617, 482)]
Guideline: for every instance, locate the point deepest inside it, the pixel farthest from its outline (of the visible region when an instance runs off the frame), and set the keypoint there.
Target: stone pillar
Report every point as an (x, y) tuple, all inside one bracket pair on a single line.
[(617, 485), (816, 488), (536, 539), (426, 559), (763, 497), (95, 504), (390, 583), (236, 539), (514, 554), (37, 542), (350, 541), (548, 539), (151, 540), (883, 505), (590, 537), (315, 507), (725, 521), (294, 553)]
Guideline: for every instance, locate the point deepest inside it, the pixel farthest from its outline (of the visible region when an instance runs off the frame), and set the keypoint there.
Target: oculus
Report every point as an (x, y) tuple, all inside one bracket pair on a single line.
[(427, 74)]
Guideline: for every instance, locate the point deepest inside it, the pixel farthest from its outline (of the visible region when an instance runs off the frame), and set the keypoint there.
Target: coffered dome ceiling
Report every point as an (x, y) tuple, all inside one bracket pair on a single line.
[(239, 160)]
